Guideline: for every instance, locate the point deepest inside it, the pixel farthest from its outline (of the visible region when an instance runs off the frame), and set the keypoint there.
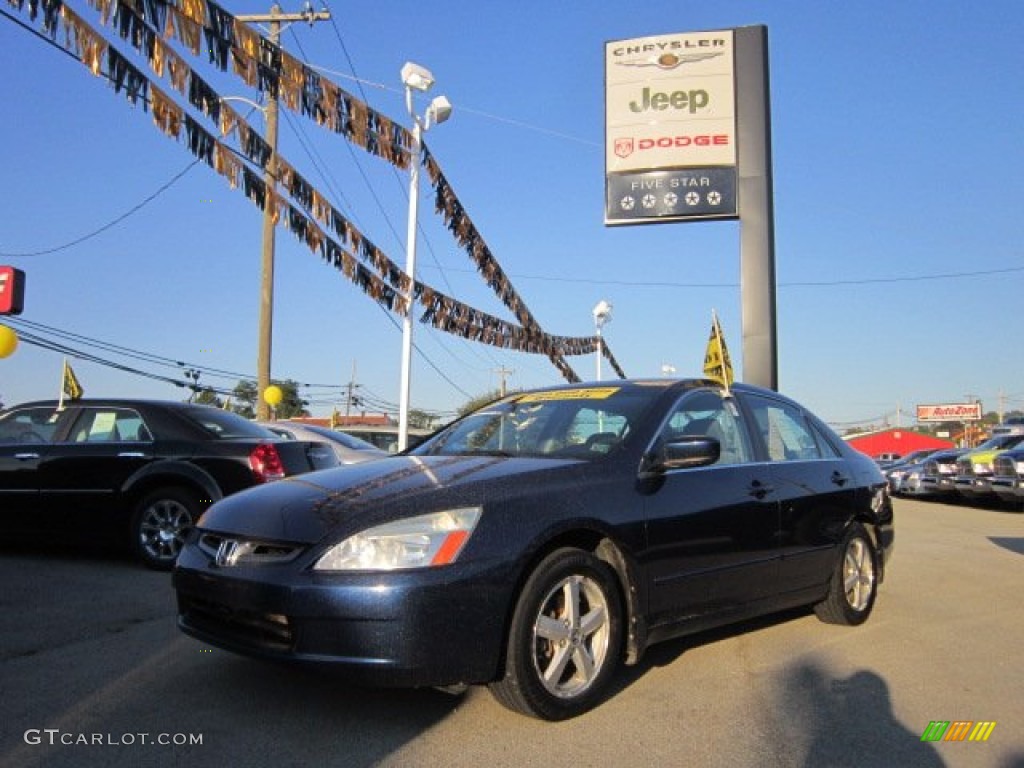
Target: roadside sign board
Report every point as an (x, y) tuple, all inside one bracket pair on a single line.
[(12, 290), (949, 412), (670, 128)]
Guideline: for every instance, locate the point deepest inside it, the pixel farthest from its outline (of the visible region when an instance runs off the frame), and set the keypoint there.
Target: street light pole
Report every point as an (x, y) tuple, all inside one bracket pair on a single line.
[(602, 315), (266, 318), (420, 79)]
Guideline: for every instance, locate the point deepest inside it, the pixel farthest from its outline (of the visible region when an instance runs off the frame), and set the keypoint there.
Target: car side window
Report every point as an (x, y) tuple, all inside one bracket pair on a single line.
[(707, 413), (825, 445), (104, 425), (29, 425), (786, 434)]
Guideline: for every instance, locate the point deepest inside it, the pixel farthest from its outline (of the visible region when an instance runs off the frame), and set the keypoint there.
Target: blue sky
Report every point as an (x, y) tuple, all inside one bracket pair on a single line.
[(898, 202)]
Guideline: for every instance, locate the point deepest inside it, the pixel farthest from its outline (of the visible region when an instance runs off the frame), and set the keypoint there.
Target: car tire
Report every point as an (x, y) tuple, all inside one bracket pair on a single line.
[(854, 583), (159, 523), (565, 639)]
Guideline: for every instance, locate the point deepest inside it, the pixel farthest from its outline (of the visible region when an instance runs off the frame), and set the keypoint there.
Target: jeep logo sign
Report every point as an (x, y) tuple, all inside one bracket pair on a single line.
[(670, 108)]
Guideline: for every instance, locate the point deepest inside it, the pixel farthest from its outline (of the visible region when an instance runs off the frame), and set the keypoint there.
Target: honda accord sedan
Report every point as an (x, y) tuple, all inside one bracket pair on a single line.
[(541, 541)]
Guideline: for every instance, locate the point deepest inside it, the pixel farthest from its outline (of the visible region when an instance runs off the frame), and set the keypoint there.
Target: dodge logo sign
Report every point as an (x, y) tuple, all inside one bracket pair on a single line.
[(624, 147)]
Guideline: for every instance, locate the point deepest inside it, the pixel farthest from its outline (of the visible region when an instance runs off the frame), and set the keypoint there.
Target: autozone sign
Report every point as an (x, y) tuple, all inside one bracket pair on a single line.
[(949, 412)]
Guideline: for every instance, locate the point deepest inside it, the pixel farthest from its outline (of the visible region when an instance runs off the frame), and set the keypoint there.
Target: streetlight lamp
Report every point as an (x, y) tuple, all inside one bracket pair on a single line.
[(414, 77), (602, 315)]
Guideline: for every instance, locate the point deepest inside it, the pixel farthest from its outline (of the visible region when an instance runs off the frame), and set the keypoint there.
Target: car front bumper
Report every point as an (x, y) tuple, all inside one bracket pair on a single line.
[(1008, 488), (973, 486), (938, 484), (426, 627)]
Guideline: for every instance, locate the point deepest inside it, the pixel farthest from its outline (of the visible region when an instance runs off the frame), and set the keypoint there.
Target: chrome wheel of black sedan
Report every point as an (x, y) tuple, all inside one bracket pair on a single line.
[(570, 528), (161, 520)]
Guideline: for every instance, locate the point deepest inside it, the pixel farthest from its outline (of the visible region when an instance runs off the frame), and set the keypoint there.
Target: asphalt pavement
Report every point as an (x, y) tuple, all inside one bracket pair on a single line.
[(93, 672)]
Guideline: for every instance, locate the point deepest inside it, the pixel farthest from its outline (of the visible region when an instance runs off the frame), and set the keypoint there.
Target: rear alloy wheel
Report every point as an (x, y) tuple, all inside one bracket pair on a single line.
[(854, 582), (161, 520), (565, 640)]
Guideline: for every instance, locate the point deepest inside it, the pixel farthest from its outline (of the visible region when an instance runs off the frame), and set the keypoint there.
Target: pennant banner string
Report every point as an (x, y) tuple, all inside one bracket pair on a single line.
[(441, 311)]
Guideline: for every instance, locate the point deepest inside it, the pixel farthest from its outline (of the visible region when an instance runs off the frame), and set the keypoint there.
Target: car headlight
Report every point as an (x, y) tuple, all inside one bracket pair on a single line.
[(416, 542), (982, 469)]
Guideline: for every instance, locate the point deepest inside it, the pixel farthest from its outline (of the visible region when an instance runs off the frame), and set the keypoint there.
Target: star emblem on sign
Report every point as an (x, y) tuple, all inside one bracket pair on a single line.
[(649, 201), (715, 198), (627, 203), (671, 199), (692, 198)]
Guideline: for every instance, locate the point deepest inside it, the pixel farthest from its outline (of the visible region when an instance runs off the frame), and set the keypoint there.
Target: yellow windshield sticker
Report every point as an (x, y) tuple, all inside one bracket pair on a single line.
[(589, 393)]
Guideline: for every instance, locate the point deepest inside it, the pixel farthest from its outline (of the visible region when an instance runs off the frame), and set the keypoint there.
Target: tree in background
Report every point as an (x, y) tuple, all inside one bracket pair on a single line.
[(479, 402), (243, 400), (292, 404), (208, 397), (421, 419)]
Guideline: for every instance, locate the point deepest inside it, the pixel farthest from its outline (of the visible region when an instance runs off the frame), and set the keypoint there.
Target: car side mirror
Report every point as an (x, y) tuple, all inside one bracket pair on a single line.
[(684, 453)]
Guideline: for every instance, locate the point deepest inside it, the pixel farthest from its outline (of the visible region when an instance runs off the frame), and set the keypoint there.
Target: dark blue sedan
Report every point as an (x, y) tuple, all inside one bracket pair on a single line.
[(539, 542)]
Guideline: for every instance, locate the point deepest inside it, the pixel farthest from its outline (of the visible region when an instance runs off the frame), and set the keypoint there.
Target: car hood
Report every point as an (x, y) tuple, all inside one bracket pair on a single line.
[(307, 508), (982, 457)]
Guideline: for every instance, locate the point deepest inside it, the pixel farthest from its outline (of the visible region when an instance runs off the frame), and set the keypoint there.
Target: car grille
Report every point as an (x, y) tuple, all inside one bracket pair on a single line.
[(964, 467), (246, 551), (259, 631), (1004, 465)]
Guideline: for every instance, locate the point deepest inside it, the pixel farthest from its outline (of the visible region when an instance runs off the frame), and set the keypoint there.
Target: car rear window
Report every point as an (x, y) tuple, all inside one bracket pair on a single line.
[(225, 425), (29, 425)]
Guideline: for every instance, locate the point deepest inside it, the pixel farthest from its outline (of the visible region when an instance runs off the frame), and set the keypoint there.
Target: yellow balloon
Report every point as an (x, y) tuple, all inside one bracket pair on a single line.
[(8, 341), (273, 395)]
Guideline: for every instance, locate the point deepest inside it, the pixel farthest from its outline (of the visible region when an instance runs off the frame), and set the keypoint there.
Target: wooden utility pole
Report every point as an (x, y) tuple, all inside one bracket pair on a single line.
[(504, 373), (266, 321)]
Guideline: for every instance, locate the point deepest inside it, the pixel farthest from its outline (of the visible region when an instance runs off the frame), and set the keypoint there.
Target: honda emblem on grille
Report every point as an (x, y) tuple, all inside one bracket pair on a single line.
[(227, 553)]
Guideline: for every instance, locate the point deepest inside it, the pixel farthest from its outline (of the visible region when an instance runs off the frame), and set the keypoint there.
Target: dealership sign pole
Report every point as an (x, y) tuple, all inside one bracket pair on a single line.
[(687, 138)]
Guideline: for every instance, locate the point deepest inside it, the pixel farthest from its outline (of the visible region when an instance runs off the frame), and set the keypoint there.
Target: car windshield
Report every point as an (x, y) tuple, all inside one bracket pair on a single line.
[(1000, 441), (580, 423), (340, 437)]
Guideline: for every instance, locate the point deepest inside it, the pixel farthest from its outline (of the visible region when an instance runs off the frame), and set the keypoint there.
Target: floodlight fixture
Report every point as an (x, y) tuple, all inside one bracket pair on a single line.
[(602, 313), (415, 76), (440, 109)]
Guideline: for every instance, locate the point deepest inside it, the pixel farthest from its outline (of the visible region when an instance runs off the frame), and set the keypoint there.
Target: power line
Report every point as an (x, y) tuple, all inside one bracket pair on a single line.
[(782, 284)]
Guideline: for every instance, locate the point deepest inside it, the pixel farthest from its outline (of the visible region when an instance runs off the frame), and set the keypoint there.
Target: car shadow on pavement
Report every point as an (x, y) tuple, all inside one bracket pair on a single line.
[(1012, 543), (666, 653), (311, 712)]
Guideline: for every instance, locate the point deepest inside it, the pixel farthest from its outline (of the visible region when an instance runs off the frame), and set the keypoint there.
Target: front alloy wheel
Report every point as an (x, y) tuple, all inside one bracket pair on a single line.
[(565, 639), (570, 636)]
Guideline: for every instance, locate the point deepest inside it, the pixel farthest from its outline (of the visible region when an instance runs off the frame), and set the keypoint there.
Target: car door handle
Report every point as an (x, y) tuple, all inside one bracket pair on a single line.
[(839, 478), (26, 456), (131, 455), (759, 490)]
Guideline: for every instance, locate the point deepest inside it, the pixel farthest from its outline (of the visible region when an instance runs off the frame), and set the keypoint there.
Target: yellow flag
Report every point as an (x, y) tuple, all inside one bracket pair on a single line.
[(71, 386), (717, 365)]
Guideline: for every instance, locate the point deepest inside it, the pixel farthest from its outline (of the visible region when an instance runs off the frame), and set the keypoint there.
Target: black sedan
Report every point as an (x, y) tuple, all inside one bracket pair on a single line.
[(137, 471), (538, 542)]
